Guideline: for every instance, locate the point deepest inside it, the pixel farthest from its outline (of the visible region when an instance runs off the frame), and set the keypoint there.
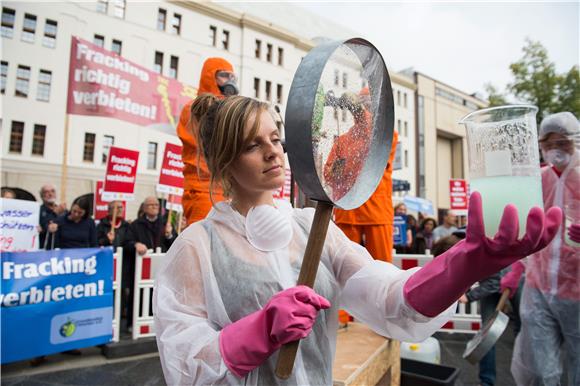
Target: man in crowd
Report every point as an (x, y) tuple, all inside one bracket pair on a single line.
[(49, 211), (217, 78), (149, 231), (448, 226)]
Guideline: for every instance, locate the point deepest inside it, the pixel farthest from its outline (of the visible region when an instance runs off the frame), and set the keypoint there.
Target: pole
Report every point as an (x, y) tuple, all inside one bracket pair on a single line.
[(64, 166), (114, 220)]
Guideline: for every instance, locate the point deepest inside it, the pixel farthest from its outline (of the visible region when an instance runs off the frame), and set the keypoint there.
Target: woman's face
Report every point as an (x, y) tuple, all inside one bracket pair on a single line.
[(260, 167), (401, 210), (429, 226), (76, 213)]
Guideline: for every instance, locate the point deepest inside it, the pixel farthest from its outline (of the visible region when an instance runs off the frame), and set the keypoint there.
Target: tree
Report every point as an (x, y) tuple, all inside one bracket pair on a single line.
[(495, 97), (536, 81)]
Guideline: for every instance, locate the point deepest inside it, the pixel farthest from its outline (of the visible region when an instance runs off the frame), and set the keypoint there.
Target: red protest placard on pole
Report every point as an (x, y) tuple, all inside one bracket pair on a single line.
[(171, 173), (458, 195), (121, 174), (101, 207), (174, 203), (284, 192)]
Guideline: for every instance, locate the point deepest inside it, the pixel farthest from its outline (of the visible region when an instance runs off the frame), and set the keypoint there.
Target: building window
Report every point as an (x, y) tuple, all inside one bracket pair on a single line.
[(256, 87), (22, 81), (279, 93), (398, 126), (406, 125), (280, 56), (16, 136), (268, 90), (117, 46), (406, 158), (344, 115), (29, 28), (173, 64), (102, 6), (405, 99), (269, 52), (158, 66), (119, 8), (152, 155), (89, 149), (3, 76), (398, 98), (161, 19), (344, 80), (213, 35), (108, 141), (258, 51), (336, 77), (176, 24), (99, 40), (38, 140), (226, 40), (44, 80), (8, 16), (50, 27)]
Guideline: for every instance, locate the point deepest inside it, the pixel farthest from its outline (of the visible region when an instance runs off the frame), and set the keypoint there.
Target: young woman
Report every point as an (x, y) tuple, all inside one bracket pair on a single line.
[(227, 299), (75, 229)]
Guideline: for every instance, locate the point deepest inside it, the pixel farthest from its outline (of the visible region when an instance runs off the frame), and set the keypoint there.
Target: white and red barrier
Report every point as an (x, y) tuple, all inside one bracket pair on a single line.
[(117, 275), (466, 319), (145, 268)]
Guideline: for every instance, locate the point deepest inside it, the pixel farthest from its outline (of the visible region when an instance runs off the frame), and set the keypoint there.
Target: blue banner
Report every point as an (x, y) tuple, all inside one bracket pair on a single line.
[(400, 231), (54, 301)]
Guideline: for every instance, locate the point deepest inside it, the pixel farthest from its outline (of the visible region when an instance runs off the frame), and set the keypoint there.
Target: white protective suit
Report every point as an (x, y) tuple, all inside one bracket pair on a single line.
[(550, 304), (214, 277)]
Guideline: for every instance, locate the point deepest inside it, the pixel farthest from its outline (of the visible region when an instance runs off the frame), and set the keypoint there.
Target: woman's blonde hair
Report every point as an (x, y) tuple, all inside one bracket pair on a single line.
[(221, 133)]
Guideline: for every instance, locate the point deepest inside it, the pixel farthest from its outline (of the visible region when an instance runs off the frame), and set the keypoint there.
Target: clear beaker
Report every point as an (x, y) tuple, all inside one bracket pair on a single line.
[(572, 215), (504, 162)]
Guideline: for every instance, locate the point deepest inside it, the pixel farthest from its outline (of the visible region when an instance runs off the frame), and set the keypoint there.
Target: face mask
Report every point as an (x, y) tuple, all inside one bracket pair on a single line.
[(557, 157), (229, 88), (269, 228)]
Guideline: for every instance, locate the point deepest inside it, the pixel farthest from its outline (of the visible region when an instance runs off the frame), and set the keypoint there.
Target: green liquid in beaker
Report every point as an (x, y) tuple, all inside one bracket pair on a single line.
[(524, 192)]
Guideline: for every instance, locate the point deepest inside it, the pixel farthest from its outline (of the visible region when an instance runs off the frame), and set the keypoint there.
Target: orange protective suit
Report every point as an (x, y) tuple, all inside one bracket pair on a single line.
[(196, 202), (374, 219)]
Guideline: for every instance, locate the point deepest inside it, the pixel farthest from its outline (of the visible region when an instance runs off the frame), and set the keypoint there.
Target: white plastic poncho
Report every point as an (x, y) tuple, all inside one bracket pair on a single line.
[(214, 277)]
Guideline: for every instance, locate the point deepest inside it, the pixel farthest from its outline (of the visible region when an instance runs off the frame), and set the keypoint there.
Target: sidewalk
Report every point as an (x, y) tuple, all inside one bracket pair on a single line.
[(92, 368)]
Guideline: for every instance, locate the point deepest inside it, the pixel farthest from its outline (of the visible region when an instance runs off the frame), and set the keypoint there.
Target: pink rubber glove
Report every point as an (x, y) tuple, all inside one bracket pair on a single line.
[(511, 280), (288, 316), (433, 288), (574, 233)]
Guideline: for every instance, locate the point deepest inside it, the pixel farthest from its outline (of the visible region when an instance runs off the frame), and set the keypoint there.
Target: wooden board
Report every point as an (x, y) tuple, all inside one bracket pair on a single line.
[(365, 358)]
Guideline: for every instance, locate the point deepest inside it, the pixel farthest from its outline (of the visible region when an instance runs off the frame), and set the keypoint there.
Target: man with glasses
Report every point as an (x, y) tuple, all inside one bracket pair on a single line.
[(150, 231), (217, 78)]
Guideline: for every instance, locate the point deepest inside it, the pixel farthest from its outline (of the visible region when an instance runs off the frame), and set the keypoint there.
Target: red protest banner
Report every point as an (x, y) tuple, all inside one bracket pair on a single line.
[(121, 174), (284, 192), (174, 203), (101, 207), (458, 195), (102, 83), (171, 173)]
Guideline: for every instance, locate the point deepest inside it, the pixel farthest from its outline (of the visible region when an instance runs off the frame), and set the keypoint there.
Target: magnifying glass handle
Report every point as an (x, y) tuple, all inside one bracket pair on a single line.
[(307, 276), (504, 296)]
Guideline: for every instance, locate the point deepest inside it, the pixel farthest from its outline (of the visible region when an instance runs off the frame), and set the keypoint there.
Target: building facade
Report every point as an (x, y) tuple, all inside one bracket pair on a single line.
[(440, 139)]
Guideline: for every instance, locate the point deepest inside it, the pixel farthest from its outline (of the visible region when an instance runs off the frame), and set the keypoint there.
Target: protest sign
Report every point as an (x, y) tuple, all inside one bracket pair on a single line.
[(121, 174), (174, 203), (171, 173), (102, 83), (400, 230), (458, 196), (53, 301), (18, 225), (101, 207), (285, 191)]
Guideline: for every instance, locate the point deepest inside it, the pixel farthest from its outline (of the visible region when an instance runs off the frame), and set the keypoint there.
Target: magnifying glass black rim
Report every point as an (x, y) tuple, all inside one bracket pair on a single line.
[(299, 114)]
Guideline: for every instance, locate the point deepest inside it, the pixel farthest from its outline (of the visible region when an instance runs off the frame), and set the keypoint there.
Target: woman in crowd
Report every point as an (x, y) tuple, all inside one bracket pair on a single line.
[(76, 228), (227, 300), (424, 238), (113, 235)]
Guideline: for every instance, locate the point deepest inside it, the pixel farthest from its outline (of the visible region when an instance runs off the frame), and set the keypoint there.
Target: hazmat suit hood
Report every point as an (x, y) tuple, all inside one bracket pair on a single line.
[(564, 123), (207, 81)]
